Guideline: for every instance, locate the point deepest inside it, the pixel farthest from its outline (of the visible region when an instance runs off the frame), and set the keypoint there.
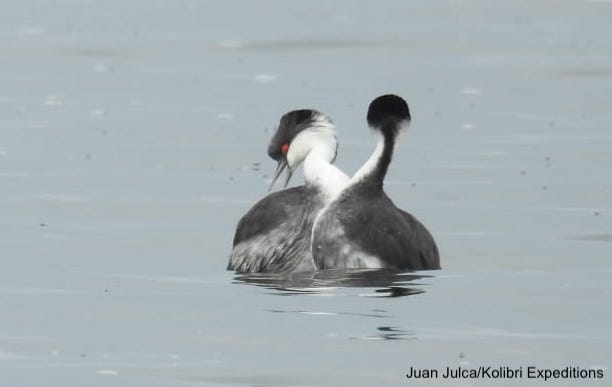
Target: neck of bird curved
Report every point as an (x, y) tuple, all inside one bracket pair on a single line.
[(320, 172), (375, 168)]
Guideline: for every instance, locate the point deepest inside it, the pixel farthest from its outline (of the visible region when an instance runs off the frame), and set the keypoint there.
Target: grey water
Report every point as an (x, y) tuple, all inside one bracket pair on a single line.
[(133, 137)]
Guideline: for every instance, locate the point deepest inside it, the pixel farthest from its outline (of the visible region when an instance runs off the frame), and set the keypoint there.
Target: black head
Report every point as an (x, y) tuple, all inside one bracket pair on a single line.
[(388, 111), (387, 115), (290, 125)]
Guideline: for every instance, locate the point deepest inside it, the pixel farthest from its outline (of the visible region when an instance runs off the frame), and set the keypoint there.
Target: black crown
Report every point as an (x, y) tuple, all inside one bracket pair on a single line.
[(387, 108), (290, 125)]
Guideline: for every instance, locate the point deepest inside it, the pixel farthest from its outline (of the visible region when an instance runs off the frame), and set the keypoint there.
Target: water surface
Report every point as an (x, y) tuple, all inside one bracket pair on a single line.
[(133, 137)]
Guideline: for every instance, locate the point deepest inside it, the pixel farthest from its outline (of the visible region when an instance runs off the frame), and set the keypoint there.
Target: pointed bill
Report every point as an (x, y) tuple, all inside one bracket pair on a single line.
[(289, 174), (282, 164)]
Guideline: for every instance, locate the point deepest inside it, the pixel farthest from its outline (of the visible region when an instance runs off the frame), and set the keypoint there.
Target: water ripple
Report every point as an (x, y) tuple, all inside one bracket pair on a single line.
[(386, 283)]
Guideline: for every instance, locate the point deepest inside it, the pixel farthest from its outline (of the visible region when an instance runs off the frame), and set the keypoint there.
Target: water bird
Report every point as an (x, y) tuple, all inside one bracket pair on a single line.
[(362, 227), (274, 235)]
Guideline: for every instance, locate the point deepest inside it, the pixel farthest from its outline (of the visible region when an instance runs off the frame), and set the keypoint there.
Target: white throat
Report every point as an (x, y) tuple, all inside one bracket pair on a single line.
[(319, 171), (317, 147), (370, 164)]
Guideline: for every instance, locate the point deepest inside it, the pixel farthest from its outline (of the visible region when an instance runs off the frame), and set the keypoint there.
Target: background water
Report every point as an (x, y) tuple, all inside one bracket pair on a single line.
[(133, 137)]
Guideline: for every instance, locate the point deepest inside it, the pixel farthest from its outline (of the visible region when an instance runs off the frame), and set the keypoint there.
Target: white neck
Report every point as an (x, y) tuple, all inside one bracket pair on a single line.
[(370, 165), (317, 147), (319, 171)]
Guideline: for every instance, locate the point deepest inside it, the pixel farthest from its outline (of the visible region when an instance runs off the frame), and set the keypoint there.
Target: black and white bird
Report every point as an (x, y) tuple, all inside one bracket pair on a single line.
[(275, 234), (362, 228)]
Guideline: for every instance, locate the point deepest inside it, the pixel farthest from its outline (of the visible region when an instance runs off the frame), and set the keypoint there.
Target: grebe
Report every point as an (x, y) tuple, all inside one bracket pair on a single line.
[(274, 235), (362, 228)]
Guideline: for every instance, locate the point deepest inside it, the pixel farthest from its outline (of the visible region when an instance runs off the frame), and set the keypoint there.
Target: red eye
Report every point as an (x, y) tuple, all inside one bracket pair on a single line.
[(284, 148)]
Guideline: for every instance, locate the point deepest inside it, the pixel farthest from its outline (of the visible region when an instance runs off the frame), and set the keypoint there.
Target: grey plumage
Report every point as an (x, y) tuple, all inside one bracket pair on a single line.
[(274, 236), (362, 225)]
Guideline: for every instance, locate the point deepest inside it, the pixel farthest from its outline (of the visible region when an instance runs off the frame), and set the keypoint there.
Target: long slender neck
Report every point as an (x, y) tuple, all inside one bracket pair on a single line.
[(375, 168), (316, 146), (320, 172)]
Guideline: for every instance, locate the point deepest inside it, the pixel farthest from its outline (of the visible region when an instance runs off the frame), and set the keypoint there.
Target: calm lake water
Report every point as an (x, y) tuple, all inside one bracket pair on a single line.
[(133, 137)]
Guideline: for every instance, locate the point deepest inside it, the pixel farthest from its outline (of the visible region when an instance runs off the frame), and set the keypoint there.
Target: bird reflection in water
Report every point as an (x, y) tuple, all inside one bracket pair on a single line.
[(387, 283)]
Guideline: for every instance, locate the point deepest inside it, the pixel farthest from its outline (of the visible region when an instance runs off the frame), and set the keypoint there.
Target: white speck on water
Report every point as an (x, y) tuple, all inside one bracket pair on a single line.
[(231, 43), (97, 112), (3, 153), (55, 100), (31, 30), (493, 153), (529, 117), (65, 198), (471, 91), (35, 126), (467, 126), (224, 117), (369, 295), (100, 68), (369, 338), (319, 313), (107, 372), (265, 78)]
